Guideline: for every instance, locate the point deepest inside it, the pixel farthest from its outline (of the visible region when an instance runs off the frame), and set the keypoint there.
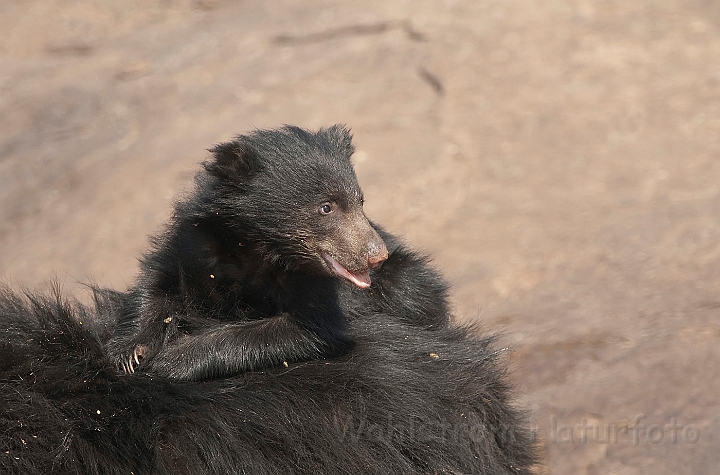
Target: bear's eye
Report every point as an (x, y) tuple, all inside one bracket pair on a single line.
[(325, 209)]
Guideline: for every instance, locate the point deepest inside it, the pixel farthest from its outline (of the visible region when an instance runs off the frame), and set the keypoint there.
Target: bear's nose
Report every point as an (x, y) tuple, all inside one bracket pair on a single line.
[(376, 258)]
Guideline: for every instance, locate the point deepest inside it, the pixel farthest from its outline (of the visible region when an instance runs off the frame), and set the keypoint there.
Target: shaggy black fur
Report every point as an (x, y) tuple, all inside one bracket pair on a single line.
[(413, 394), (405, 400), (242, 279)]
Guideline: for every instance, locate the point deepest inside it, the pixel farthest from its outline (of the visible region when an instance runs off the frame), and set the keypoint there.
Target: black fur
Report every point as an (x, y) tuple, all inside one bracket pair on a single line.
[(240, 279), (406, 399), (412, 393)]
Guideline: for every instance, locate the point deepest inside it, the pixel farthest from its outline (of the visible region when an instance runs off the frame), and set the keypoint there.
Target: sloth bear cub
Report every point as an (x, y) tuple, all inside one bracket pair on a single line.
[(242, 278), (273, 329)]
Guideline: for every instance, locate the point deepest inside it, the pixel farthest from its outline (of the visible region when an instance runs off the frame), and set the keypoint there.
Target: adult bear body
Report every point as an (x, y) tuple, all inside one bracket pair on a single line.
[(393, 387), (405, 399)]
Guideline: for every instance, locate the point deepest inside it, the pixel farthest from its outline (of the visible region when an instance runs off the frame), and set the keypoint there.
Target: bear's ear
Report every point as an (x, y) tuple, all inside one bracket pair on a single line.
[(342, 139), (233, 161)]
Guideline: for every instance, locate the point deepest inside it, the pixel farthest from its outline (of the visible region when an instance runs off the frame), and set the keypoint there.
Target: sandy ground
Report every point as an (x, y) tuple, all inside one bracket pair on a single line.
[(559, 159)]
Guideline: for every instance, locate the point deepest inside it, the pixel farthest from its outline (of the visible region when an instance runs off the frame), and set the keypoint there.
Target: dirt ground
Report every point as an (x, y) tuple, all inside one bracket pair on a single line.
[(560, 160)]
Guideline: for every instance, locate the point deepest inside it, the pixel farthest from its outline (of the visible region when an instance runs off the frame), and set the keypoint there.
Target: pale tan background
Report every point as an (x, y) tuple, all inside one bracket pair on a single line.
[(559, 159)]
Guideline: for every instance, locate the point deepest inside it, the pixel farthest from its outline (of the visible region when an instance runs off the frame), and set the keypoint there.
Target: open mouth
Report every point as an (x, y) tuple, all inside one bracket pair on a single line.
[(360, 279)]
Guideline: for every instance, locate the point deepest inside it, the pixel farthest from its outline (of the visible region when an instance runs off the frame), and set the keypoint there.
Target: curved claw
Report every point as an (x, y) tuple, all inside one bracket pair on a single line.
[(126, 366), (130, 363)]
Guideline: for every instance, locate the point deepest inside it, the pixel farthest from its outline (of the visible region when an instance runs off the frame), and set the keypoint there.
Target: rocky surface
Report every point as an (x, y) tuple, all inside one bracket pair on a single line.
[(559, 159)]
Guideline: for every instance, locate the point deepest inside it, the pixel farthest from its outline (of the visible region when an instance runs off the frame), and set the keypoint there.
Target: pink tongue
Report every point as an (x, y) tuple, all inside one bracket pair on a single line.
[(361, 279)]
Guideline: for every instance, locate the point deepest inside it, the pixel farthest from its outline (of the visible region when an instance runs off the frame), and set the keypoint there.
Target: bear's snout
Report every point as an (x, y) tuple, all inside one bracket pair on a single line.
[(377, 254)]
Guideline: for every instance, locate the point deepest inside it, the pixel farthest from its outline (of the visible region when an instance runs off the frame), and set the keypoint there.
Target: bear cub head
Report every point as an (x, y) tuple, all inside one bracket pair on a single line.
[(292, 196)]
